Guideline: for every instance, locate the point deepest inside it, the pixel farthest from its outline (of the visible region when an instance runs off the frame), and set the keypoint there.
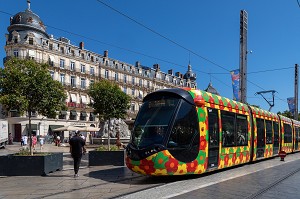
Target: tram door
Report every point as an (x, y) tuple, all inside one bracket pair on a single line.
[(276, 138), (296, 137), (213, 131), (260, 138)]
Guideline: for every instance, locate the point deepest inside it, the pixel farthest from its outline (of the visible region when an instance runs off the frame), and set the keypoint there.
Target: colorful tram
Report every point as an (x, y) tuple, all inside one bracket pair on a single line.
[(184, 131)]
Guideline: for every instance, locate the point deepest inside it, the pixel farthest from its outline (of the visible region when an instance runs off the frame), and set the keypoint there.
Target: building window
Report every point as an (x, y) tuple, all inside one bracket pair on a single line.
[(116, 77), (15, 40), (83, 116), (62, 79), (125, 89), (30, 41), (132, 107), (148, 84), (52, 74), (125, 78), (72, 66), (73, 53), (106, 74), (141, 82), (62, 63), (16, 53), (92, 81), (50, 46), (73, 81), (133, 91), (133, 80), (62, 50), (92, 71), (73, 115), (82, 83), (82, 68)]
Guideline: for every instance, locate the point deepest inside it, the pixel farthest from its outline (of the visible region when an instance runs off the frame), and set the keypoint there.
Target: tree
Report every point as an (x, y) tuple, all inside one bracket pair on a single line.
[(27, 86), (286, 113), (109, 101)]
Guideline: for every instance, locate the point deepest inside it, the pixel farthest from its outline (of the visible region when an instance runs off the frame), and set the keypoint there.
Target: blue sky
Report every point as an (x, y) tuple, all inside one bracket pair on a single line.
[(210, 29)]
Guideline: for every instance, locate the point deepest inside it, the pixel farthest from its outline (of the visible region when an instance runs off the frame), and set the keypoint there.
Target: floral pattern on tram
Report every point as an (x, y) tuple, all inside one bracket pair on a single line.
[(266, 115), (229, 156), (163, 163)]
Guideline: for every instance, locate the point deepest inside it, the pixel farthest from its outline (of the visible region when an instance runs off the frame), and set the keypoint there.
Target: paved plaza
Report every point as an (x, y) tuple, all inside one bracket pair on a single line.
[(266, 179)]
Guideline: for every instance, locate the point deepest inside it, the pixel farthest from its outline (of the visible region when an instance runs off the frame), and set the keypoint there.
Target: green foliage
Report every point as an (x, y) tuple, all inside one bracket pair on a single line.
[(26, 85), (109, 101), (105, 148), (286, 113), (26, 152)]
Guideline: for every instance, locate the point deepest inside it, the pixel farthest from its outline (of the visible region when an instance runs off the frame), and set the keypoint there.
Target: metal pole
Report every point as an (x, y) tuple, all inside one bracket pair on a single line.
[(243, 55), (296, 92)]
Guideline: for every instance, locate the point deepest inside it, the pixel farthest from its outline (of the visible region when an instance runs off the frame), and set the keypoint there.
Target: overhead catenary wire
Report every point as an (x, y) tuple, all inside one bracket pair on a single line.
[(170, 40), (140, 53)]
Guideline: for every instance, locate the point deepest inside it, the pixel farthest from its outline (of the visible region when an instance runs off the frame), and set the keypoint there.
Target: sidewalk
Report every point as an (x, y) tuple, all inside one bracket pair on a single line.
[(93, 182)]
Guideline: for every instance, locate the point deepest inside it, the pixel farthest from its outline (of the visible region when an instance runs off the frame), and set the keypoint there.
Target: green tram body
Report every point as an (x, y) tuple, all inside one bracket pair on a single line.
[(184, 131)]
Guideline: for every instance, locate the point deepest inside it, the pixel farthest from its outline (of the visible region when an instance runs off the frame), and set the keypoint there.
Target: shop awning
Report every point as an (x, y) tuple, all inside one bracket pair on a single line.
[(53, 127), (83, 113), (83, 99), (73, 112), (73, 98), (63, 112)]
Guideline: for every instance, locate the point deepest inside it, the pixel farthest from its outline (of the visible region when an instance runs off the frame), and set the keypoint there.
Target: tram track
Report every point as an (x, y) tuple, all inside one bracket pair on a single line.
[(272, 185)]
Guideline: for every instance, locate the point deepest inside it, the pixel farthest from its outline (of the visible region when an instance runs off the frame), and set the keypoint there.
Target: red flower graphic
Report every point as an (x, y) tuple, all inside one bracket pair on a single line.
[(191, 167), (241, 157), (147, 166), (234, 158), (226, 159), (203, 143), (171, 165)]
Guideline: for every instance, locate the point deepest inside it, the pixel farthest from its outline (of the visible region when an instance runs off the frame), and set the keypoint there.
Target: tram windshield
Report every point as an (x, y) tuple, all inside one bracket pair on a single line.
[(153, 121)]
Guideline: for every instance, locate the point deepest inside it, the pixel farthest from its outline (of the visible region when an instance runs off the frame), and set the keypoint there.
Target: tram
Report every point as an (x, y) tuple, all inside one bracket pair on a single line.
[(183, 131)]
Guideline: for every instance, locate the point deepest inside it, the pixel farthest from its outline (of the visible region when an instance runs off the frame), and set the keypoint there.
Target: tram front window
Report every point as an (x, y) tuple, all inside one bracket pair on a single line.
[(153, 121)]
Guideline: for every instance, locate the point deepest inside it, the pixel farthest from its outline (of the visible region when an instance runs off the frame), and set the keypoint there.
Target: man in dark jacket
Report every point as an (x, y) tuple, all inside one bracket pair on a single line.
[(77, 149)]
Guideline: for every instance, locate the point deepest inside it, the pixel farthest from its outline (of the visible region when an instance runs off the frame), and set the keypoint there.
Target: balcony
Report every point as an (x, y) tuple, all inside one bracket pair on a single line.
[(76, 105)]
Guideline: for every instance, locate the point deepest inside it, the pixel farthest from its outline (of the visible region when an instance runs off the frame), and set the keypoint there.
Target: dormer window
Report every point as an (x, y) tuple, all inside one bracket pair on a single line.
[(30, 40)]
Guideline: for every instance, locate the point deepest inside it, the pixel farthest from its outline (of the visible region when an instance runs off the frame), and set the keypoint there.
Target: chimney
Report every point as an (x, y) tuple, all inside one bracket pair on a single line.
[(170, 72), (81, 45), (137, 64), (106, 53), (156, 67), (178, 74)]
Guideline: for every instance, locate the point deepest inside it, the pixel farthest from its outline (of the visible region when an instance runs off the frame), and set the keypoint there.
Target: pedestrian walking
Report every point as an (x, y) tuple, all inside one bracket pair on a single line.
[(77, 149), (10, 139), (34, 141), (25, 140), (41, 142), (22, 140)]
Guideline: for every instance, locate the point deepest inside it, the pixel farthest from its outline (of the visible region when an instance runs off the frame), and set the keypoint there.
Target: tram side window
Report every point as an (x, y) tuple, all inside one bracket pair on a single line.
[(269, 132), (276, 134), (185, 128), (297, 134), (287, 133), (242, 130), (228, 123), (234, 129), (213, 124)]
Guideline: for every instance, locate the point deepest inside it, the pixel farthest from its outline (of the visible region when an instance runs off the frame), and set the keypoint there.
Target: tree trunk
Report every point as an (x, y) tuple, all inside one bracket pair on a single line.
[(30, 134), (108, 139)]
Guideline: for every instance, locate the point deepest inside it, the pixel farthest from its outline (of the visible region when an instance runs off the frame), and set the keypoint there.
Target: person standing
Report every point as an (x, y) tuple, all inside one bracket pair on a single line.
[(25, 140), (77, 149), (41, 142), (22, 140)]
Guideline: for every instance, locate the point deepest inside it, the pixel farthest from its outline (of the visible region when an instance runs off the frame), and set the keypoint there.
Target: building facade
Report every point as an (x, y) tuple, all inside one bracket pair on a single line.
[(76, 68)]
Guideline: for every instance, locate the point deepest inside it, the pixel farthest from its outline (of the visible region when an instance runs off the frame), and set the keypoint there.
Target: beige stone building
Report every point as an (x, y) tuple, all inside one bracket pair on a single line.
[(76, 68)]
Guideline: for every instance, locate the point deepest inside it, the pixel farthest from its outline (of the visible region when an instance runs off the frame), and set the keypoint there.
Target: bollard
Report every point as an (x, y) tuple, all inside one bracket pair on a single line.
[(282, 155)]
